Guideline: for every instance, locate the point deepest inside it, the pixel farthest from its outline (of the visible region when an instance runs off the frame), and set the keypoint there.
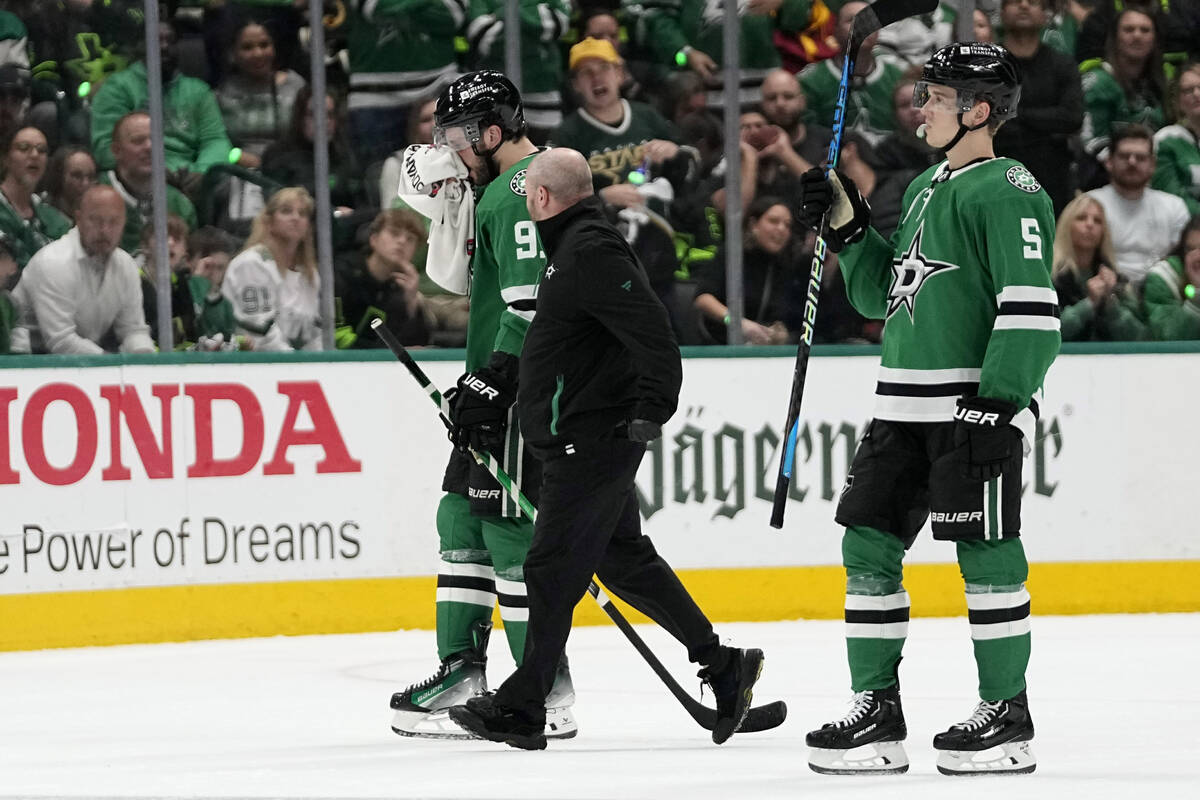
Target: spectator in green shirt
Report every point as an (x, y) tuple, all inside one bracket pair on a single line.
[(131, 177), (28, 223), (8, 310)]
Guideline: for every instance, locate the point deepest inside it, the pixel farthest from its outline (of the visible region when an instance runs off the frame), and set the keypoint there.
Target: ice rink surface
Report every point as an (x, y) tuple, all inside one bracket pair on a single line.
[(1114, 700)]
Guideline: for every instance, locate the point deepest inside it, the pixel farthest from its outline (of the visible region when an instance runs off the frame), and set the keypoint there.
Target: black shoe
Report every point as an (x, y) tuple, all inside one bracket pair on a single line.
[(992, 724), (733, 686), (486, 718)]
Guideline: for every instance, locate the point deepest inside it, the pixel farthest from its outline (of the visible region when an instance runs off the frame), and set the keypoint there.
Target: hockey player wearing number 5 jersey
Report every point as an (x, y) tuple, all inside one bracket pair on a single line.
[(483, 538), (971, 329)]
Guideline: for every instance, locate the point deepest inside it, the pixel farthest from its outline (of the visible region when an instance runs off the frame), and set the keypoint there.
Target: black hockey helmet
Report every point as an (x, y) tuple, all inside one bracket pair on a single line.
[(979, 71), (474, 102)]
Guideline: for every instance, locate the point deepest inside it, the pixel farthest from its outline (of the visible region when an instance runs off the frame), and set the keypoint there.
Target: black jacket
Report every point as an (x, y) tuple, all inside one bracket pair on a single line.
[(600, 349)]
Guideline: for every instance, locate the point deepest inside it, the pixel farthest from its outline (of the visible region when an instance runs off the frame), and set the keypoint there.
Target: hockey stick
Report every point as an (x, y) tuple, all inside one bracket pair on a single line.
[(759, 718), (866, 22)]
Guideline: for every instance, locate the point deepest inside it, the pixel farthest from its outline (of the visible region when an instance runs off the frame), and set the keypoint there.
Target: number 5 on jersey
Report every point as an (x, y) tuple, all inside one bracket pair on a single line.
[(1033, 238)]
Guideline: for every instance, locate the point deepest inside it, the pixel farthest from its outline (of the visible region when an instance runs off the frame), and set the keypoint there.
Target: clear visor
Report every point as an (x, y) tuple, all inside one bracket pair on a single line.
[(960, 103), (456, 137)]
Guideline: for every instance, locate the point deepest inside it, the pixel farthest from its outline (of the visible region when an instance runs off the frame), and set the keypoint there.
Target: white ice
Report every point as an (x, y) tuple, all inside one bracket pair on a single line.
[(1113, 697)]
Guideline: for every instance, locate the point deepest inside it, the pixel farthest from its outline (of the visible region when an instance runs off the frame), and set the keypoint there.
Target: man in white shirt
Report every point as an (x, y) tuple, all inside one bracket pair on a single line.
[(81, 293), (1145, 223)]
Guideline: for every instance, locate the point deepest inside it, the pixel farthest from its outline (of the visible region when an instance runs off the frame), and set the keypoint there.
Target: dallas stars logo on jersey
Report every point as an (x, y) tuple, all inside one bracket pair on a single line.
[(911, 269), (517, 184)]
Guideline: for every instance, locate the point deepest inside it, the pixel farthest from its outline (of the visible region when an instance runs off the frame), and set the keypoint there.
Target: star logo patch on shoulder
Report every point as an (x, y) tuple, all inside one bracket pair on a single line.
[(910, 271), (1023, 179), (517, 184)]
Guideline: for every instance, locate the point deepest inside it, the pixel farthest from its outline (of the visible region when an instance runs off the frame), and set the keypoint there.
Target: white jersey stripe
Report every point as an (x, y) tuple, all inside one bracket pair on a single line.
[(1009, 322), (915, 409), (1027, 294), (513, 294), (929, 376)]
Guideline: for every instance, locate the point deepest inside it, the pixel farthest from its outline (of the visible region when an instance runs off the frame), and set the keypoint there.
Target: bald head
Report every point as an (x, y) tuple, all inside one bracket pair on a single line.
[(557, 179), (100, 219), (783, 100)]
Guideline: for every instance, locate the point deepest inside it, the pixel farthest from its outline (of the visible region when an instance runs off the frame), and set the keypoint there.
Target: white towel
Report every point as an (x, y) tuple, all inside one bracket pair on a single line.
[(433, 182)]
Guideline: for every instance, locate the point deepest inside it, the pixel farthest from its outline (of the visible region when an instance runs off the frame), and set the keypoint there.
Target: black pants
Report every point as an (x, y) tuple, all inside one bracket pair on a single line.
[(589, 523)]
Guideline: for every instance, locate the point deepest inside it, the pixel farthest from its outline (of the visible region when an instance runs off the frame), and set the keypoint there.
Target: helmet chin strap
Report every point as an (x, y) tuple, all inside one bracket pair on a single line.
[(488, 157), (963, 130)]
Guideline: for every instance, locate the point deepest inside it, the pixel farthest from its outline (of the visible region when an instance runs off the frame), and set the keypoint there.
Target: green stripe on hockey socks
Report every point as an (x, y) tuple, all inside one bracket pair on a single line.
[(877, 607), (998, 608)]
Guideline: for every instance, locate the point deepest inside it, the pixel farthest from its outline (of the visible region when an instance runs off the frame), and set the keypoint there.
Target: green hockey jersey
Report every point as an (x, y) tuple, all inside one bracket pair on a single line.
[(1178, 170), (543, 23), (868, 102), (613, 151), (664, 27), (1173, 315), (505, 269), (401, 50), (1107, 105), (964, 286)]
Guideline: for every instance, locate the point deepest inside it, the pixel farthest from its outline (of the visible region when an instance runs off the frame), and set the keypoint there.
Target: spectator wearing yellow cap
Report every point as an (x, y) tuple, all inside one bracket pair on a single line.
[(637, 162), (543, 23)]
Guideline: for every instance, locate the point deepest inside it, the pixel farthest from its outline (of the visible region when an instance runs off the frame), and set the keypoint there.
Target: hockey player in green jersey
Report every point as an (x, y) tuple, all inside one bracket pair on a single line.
[(971, 329), (482, 535)]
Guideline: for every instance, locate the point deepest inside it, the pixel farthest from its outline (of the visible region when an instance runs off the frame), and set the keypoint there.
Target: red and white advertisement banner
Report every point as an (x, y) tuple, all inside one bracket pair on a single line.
[(216, 473)]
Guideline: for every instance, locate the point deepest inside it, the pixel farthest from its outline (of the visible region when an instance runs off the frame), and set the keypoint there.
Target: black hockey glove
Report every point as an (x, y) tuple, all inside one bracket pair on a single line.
[(849, 212), (643, 430), (479, 414), (983, 431)]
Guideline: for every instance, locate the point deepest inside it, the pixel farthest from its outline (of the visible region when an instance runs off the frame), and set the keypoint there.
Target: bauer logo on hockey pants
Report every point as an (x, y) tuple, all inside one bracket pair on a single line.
[(956, 516)]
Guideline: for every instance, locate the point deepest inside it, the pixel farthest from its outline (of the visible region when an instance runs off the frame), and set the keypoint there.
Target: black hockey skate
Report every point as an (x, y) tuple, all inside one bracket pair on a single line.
[(994, 741), (733, 687), (420, 710), (867, 741), (486, 718)]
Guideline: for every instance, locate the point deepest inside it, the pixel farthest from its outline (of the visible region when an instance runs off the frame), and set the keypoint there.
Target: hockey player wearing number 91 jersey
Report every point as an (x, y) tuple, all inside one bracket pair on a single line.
[(971, 329), (483, 538)]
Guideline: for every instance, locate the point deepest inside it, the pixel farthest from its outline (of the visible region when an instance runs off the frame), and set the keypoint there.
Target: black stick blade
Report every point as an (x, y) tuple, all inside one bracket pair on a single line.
[(882, 13)]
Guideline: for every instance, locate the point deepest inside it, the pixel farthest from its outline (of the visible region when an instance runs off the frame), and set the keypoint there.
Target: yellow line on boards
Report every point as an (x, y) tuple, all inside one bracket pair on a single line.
[(757, 594)]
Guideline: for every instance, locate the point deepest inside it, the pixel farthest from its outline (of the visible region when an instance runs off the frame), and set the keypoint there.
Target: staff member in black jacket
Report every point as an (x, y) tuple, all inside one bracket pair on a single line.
[(600, 374)]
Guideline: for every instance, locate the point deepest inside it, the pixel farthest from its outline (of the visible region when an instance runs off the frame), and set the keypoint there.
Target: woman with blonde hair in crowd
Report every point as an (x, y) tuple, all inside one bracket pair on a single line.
[(1096, 302), (273, 283)]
